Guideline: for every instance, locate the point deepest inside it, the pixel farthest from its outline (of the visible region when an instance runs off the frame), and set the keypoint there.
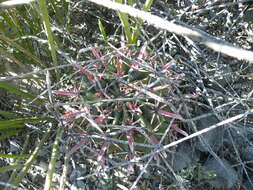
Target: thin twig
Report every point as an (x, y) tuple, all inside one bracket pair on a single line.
[(99, 101), (108, 139)]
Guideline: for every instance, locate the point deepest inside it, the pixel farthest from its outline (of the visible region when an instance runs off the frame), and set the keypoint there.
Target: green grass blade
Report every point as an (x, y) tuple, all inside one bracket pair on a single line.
[(52, 163), (14, 156), (7, 130), (16, 181), (18, 161), (14, 21), (4, 128), (131, 2), (10, 56), (23, 120), (10, 167), (7, 22), (136, 30), (17, 91), (124, 21), (31, 20), (57, 12), (20, 48), (19, 123), (102, 30), (46, 23), (147, 5), (20, 21), (8, 114), (9, 134)]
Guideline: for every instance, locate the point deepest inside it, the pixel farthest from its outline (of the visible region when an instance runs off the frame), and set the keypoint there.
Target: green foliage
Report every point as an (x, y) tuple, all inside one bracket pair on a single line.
[(132, 34), (18, 177), (10, 128), (17, 23), (102, 30), (52, 163), (17, 123), (8, 114), (8, 133), (45, 19), (10, 167), (22, 30), (14, 156), (136, 30), (26, 52), (17, 91)]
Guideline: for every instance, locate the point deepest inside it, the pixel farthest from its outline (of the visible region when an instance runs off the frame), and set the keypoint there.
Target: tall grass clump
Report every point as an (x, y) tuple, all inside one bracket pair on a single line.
[(26, 40)]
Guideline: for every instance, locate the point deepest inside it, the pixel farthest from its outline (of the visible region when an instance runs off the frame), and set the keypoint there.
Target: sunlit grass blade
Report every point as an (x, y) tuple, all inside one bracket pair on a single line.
[(46, 23), (52, 163), (14, 156), (147, 5), (124, 21), (136, 30), (102, 30), (19, 123), (64, 172), (31, 119)]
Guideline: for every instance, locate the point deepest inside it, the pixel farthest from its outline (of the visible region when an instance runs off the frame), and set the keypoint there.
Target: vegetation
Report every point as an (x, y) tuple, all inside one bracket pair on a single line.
[(96, 98)]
